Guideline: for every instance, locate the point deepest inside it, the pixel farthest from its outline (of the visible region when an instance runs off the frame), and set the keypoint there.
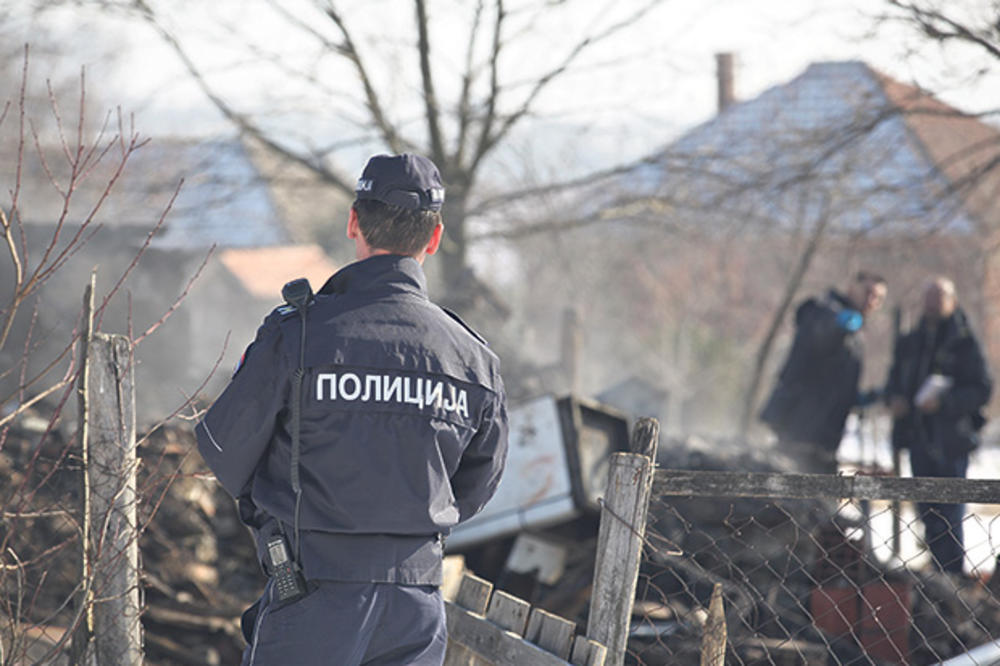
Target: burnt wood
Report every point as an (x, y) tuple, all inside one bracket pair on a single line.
[(687, 483)]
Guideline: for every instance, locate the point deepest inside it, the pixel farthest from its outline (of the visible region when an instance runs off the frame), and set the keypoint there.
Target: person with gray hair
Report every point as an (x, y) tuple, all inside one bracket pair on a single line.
[(937, 386)]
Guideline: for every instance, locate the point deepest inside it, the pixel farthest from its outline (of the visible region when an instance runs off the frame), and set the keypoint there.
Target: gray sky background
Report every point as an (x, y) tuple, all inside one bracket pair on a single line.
[(635, 94)]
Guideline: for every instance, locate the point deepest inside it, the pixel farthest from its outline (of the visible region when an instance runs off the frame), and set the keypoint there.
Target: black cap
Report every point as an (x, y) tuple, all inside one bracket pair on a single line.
[(407, 180)]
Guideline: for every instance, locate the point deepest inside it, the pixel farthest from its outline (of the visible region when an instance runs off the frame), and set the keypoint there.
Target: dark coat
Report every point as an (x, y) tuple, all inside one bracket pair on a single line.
[(818, 385), (403, 427), (948, 349)]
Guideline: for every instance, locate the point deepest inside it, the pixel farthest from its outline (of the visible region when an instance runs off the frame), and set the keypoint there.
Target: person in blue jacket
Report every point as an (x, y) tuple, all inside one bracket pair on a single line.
[(362, 424), (938, 384), (818, 384)]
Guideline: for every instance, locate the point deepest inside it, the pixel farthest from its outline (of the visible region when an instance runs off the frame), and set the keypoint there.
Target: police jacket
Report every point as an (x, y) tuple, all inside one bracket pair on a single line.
[(403, 426), (818, 384), (949, 349)]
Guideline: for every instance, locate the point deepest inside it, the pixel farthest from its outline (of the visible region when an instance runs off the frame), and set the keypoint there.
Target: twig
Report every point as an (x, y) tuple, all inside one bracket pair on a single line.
[(173, 307)]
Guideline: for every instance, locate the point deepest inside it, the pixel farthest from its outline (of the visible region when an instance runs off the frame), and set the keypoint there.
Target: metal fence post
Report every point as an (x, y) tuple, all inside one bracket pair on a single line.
[(620, 539), (114, 550)]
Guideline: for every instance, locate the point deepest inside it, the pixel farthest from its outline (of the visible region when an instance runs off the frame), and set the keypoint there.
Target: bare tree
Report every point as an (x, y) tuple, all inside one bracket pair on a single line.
[(976, 25), (457, 105), (60, 166)]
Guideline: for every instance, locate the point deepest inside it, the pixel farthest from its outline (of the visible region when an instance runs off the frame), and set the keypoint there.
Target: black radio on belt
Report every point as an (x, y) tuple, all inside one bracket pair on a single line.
[(288, 582)]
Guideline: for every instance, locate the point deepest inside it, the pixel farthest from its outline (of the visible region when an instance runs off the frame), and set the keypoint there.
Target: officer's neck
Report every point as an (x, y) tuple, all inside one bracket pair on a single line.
[(362, 252)]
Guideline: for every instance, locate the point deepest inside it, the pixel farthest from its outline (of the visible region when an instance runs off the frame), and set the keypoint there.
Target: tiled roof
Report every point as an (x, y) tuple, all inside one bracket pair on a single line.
[(875, 153), (263, 271), (964, 148), (223, 201)]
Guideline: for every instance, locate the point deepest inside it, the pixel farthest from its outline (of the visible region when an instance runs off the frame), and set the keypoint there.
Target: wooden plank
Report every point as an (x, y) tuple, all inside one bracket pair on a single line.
[(508, 612), (587, 652), (453, 570), (713, 640), (551, 632), (458, 655), (619, 549), (497, 646), (809, 486), (474, 594)]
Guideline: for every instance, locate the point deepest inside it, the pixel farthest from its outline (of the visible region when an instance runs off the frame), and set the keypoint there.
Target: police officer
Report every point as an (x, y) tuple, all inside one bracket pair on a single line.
[(399, 433)]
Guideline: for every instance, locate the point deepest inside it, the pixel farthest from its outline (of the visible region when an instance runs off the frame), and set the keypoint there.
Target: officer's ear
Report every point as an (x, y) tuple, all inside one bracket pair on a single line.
[(435, 241), (353, 226)]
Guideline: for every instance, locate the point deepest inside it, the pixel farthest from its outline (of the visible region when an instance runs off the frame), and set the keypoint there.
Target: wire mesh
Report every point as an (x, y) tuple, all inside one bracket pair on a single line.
[(817, 580)]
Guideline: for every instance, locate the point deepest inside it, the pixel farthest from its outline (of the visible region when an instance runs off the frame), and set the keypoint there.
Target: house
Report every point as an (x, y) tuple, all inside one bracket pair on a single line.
[(679, 262), (203, 281)]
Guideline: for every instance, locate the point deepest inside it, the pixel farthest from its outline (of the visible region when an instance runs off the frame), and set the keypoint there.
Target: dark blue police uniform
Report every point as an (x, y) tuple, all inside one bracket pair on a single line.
[(403, 435)]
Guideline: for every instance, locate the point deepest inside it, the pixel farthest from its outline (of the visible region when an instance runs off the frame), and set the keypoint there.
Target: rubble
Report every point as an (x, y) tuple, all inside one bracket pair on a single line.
[(200, 571)]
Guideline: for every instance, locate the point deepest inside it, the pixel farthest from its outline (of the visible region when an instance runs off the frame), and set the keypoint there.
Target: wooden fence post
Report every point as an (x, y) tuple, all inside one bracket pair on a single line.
[(620, 539), (111, 467), (713, 641)]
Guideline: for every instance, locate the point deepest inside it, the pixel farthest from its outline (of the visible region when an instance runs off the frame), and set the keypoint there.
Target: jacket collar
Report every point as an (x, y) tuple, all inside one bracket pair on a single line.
[(954, 326), (382, 272), (840, 299)]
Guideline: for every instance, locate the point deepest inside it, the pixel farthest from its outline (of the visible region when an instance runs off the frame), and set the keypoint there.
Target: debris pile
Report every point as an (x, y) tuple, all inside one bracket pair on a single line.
[(199, 566), (199, 569), (798, 580)]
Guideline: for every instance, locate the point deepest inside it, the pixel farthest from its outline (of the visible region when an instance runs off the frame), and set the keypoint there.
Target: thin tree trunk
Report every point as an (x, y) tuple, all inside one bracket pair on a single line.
[(791, 288)]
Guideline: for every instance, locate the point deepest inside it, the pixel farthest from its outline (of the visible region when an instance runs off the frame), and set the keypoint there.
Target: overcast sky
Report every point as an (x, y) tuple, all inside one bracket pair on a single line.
[(634, 95)]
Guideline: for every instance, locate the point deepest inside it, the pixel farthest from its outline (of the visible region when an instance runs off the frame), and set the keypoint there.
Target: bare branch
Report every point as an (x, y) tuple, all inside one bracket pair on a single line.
[(34, 400), (791, 288), (941, 27), (431, 111), (15, 195), (18, 278), (99, 312), (464, 108), (46, 267), (486, 131), (390, 133), (241, 121), (489, 140), (506, 198), (177, 302), (189, 400)]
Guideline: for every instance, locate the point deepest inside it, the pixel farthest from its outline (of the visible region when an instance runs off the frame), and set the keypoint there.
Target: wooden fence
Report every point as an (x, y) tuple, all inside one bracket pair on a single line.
[(109, 632), (489, 627), (493, 627)]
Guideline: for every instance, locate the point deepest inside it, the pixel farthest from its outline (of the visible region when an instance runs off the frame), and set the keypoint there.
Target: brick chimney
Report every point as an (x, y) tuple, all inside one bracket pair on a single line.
[(724, 76)]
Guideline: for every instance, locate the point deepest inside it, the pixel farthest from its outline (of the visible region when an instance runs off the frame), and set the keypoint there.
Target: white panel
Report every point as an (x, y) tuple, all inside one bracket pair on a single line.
[(535, 489)]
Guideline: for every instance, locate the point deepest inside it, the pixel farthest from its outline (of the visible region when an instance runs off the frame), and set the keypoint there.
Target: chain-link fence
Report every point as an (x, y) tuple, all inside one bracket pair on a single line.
[(820, 569)]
